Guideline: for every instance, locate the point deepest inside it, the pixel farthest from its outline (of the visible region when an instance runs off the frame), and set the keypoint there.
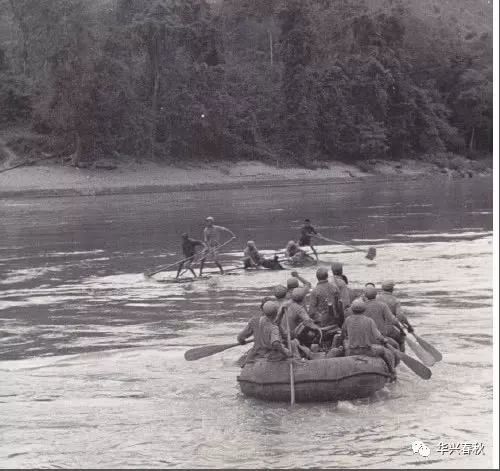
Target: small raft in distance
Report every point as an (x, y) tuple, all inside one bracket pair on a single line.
[(320, 380)]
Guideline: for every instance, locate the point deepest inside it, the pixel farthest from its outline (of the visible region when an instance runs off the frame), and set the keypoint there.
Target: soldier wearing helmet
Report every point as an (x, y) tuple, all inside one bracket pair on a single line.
[(387, 296), (363, 337), (294, 316), (339, 281), (385, 321), (324, 306), (266, 334)]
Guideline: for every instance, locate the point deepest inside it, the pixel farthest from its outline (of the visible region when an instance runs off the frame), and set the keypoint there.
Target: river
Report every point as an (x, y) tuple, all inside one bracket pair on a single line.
[(91, 351)]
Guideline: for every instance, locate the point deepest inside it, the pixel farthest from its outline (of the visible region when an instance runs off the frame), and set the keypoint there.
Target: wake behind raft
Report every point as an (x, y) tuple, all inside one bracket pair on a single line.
[(319, 380)]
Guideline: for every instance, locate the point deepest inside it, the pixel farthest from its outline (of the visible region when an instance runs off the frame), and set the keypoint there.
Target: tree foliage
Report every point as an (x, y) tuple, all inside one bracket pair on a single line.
[(290, 81)]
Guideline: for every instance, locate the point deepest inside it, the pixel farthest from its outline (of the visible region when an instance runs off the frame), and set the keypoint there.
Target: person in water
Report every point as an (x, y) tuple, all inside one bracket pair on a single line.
[(363, 338), (272, 263), (189, 250), (211, 236), (267, 338), (307, 232), (387, 296)]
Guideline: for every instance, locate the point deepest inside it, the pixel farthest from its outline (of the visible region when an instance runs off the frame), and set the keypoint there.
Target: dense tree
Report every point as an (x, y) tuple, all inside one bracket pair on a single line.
[(289, 81)]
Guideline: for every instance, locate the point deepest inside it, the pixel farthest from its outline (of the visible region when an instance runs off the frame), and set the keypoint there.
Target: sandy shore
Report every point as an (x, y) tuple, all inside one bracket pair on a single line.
[(131, 177)]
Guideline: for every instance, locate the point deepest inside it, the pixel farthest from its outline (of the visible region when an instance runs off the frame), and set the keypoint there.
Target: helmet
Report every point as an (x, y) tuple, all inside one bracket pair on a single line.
[(279, 291), (298, 294), (358, 306), (210, 219), (292, 283), (370, 292), (265, 300), (322, 273), (251, 243), (337, 268), (388, 285), (291, 243), (185, 235), (270, 308)]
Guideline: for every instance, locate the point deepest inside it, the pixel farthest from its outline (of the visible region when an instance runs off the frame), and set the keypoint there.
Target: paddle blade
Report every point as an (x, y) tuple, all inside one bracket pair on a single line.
[(429, 348), (206, 351), (372, 253), (425, 357), (414, 365)]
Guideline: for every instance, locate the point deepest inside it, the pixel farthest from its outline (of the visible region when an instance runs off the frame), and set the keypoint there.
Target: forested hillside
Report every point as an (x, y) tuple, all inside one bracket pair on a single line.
[(288, 81)]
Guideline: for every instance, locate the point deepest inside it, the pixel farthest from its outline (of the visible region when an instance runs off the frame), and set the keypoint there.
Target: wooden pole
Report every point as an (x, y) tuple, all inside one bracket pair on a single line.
[(292, 377)]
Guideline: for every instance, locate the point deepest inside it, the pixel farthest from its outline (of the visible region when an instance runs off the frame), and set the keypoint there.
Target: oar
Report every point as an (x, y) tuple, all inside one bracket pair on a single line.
[(205, 252), (164, 267), (292, 377), (428, 347), (370, 255), (414, 365), (425, 357), (208, 350)]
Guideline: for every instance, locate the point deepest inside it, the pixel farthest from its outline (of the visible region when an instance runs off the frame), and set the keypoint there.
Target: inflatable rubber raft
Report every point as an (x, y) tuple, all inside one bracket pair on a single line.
[(331, 379)]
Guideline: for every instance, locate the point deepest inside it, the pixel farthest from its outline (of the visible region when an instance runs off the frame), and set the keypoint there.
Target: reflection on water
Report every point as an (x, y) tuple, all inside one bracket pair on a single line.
[(91, 351)]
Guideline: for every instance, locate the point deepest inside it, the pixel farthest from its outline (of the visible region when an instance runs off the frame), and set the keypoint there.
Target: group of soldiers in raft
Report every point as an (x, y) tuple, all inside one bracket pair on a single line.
[(328, 322)]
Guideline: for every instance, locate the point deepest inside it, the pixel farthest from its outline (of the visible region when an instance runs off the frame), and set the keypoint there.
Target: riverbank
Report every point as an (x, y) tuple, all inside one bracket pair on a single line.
[(132, 177)]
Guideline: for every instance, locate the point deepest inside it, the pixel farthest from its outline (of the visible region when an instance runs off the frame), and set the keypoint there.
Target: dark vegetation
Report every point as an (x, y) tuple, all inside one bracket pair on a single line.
[(294, 82)]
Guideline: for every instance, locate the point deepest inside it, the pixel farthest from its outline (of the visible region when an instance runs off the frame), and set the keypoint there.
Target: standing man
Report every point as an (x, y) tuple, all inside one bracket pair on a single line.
[(387, 296), (323, 303), (306, 233), (386, 322), (211, 236), (189, 251), (338, 280)]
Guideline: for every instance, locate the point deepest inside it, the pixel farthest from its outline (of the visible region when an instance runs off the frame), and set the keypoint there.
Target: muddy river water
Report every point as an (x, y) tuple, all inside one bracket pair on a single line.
[(91, 352)]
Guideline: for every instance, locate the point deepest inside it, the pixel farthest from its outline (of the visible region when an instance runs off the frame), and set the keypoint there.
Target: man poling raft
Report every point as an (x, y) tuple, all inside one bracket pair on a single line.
[(306, 233), (211, 236), (189, 250)]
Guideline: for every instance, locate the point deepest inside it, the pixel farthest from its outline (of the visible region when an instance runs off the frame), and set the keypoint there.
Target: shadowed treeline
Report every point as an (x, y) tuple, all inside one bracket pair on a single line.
[(289, 82)]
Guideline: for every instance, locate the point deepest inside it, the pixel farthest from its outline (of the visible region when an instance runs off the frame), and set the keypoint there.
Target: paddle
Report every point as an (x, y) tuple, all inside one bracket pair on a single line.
[(425, 357), (370, 255), (292, 377), (414, 365), (208, 350), (166, 267), (436, 354)]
